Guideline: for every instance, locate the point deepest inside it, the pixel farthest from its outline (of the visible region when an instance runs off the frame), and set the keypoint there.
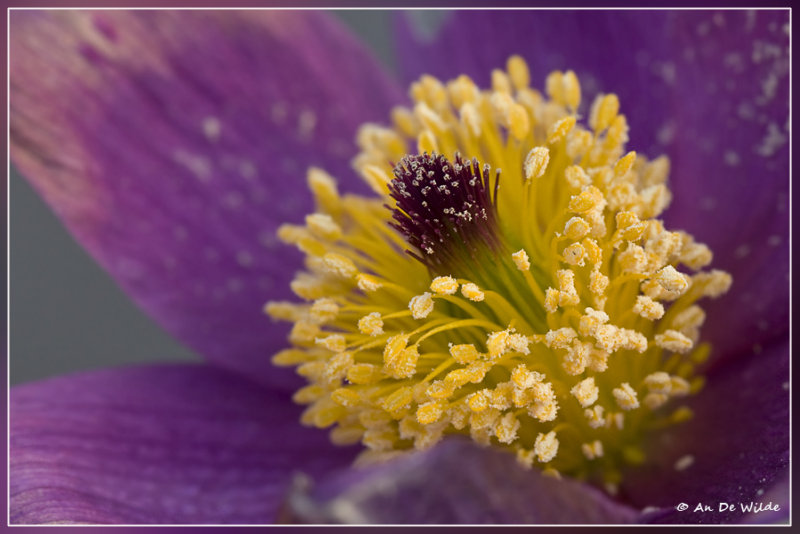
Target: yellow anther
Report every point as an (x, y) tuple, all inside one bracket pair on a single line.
[(567, 296), (463, 90), (501, 82), (576, 177), (560, 129), (430, 120), (574, 254), (464, 354), (323, 310), (323, 226), (595, 417), (399, 399), (324, 189), (444, 285), (404, 121), (648, 308), (593, 251), (615, 419), (363, 373), (518, 122), (440, 389), (674, 341), (303, 332), (346, 397), (587, 200), (337, 367), (576, 228), (470, 119), (289, 357), (429, 413), (335, 343), (536, 162), (285, 311), (546, 446), (604, 111), (518, 72), (585, 391), (625, 163), (592, 450), (629, 228), (571, 90), (380, 439), (472, 292), (394, 346), (421, 306), (367, 283), (377, 178), (696, 256), (625, 396), (633, 259), (371, 324), (308, 394), (339, 265), (506, 428), (501, 396), (521, 260), (479, 400), (426, 143)]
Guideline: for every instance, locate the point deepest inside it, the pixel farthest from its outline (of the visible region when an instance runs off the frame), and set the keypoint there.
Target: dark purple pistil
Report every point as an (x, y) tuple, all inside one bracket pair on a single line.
[(445, 210)]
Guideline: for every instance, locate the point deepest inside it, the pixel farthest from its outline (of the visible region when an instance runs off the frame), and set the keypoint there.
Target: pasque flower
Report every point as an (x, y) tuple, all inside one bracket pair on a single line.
[(173, 145)]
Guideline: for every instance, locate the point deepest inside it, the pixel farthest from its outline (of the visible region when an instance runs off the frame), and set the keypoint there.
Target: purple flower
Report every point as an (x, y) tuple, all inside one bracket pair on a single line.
[(172, 145)]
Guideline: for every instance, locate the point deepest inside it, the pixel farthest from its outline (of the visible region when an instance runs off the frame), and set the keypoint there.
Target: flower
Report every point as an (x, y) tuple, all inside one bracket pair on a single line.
[(197, 444)]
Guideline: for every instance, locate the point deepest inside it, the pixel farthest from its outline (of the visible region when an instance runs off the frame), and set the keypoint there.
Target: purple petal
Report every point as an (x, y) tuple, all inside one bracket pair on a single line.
[(710, 89), (172, 144), (158, 444), (456, 482), (738, 440)]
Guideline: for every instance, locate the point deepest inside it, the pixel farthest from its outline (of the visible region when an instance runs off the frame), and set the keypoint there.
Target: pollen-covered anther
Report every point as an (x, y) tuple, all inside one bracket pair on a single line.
[(444, 285), (585, 391), (523, 378), (592, 450), (674, 341), (648, 308), (576, 228), (339, 265), (567, 295), (464, 353), (429, 413), (588, 200), (604, 111), (421, 306), (521, 260), (367, 283), (323, 226), (371, 324), (560, 129), (658, 382), (546, 446), (595, 417), (574, 254), (472, 292), (671, 280), (536, 162), (626, 397), (561, 338), (506, 428), (335, 342)]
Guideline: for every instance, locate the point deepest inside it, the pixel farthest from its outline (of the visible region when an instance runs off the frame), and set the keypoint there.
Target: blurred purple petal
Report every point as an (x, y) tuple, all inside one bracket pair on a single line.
[(159, 444), (456, 482), (172, 144), (710, 89), (738, 442)]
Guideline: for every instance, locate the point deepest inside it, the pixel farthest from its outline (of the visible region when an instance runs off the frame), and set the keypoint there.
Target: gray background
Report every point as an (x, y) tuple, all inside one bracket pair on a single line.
[(66, 313)]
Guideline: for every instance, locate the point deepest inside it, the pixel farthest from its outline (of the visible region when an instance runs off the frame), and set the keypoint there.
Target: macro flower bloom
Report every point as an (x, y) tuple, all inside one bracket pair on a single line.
[(176, 177)]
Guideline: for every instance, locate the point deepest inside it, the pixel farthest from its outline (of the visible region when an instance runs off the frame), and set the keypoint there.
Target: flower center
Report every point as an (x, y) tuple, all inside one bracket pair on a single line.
[(546, 315)]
